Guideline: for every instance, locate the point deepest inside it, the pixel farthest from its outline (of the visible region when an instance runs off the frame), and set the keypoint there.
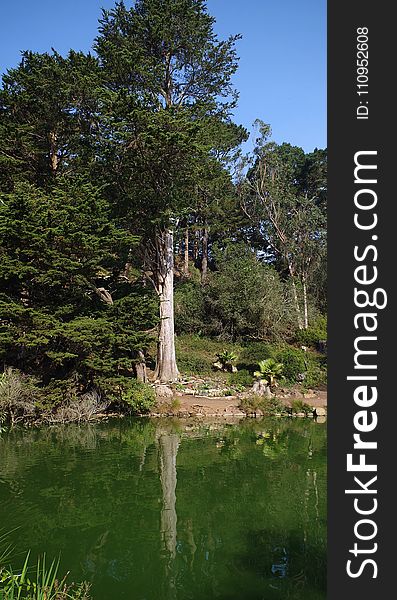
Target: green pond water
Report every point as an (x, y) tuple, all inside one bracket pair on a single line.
[(162, 510)]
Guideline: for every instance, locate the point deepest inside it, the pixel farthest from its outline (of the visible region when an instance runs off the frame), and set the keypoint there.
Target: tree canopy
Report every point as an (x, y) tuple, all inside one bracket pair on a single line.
[(122, 178)]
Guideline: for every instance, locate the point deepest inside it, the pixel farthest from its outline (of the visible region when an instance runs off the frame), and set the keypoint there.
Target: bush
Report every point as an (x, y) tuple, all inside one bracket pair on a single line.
[(273, 406), (241, 378), (316, 375), (245, 298), (131, 396), (194, 365), (253, 353), (294, 361), (315, 333), (270, 371), (266, 406), (195, 354), (189, 308), (299, 406), (18, 397), (80, 408)]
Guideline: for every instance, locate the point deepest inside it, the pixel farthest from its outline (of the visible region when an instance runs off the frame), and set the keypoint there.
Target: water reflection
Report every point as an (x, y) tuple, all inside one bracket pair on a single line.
[(166, 510)]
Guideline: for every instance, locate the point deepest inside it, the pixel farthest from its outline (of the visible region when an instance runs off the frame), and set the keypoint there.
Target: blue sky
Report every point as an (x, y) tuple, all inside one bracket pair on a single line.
[(282, 71)]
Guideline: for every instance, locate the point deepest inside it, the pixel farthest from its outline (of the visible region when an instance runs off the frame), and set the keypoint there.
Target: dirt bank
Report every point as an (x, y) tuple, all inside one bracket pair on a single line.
[(183, 405)]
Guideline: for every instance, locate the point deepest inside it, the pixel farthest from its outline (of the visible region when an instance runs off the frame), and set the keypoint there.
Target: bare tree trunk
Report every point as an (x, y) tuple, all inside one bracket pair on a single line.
[(295, 295), (195, 245), (305, 309), (186, 256), (166, 368), (204, 261)]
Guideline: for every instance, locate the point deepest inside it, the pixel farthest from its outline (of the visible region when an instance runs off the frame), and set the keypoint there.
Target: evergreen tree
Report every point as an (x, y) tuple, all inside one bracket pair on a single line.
[(48, 117), (168, 78), (65, 307)]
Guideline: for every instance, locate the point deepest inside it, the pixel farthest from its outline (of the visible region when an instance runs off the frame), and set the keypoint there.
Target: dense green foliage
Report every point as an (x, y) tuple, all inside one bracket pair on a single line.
[(105, 159), (243, 298), (59, 250)]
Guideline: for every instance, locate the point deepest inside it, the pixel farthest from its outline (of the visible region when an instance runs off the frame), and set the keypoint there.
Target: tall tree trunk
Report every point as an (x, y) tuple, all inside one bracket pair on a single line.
[(186, 256), (295, 295), (196, 245), (166, 368), (204, 261), (305, 309)]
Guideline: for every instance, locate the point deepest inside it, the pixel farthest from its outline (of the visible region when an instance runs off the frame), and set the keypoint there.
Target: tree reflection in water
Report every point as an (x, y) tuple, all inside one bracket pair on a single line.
[(161, 510)]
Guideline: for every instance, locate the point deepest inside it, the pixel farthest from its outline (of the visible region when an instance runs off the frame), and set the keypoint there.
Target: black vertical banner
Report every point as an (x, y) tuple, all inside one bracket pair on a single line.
[(362, 403)]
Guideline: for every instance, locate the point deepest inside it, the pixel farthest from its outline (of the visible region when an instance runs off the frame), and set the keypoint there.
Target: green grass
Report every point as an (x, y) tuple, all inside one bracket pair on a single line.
[(35, 582)]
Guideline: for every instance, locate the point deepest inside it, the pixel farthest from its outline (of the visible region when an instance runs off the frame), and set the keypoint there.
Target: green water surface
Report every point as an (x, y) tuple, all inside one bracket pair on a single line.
[(161, 510)]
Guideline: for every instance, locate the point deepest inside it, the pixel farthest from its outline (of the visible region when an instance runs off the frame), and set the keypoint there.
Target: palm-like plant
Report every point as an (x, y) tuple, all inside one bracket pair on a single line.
[(270, 371), (226, 359)]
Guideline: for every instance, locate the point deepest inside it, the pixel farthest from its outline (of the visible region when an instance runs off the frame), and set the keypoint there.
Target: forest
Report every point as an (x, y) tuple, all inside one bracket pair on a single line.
[(136, 231)]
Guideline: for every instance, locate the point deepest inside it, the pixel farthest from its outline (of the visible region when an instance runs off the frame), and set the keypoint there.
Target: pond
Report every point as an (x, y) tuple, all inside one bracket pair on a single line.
[(160, 510)]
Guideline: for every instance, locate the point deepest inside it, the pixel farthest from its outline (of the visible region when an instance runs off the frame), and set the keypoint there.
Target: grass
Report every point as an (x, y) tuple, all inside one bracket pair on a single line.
[(196, 355), (38, 582)]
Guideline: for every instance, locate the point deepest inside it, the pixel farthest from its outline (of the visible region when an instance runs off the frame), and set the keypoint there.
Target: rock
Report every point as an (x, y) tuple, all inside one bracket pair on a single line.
[(218, 365), (320, 411), (163, 391), (234, 369), (309, 394), (260, 388)]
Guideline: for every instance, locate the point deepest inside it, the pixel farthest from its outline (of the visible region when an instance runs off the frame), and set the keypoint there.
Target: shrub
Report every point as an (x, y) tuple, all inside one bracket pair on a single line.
[(251, 404), (193, 365), (189, 308), (299, 406), (316, 374), (241, 378), (245, 298), (315, 333), (18, 397), (273, 406), (137, 397), (294, 361), (253, 353), (267, 406), (80, 408), (225, 360)]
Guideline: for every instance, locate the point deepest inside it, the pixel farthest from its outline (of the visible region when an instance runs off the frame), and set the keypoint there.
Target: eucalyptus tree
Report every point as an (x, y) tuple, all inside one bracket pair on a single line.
[(285, 192), (168, 77)]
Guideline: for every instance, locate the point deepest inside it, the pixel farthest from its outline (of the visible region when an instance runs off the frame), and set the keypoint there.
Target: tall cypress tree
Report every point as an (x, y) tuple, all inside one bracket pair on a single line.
[(168, 77)]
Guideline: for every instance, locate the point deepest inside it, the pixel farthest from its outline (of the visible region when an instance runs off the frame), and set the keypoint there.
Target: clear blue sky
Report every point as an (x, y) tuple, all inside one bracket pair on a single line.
[(282, 72)]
